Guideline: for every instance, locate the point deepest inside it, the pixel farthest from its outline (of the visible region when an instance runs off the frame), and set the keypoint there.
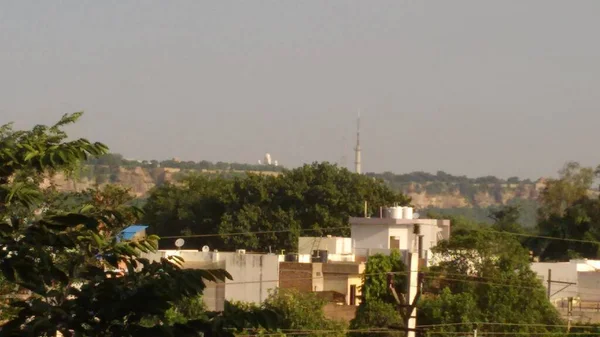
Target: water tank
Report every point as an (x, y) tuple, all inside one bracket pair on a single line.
[(291, 257), (407, 213), (386, 212), (320, 256), (396, 212)]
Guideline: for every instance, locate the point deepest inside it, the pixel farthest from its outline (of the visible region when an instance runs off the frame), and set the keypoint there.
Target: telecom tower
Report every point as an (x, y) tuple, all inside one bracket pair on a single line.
[(357, 148)]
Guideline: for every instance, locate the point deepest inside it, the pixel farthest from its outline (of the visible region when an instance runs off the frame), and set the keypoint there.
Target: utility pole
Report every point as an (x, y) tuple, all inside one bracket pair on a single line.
[(549, 283), (414, 288), (569, 313), (407, 304)]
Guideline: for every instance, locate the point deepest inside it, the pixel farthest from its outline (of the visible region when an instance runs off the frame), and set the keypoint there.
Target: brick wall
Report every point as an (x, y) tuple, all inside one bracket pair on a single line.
[(294, 275)]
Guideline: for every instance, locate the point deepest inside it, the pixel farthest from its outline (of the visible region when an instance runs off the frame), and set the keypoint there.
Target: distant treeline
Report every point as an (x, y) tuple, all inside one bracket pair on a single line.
[(443, 177), (527, 215), (117, 160)]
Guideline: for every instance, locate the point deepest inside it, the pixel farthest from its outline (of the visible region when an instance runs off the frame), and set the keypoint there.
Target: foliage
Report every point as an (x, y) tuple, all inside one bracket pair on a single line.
[(302, 311), (377, 309), (117, 160), (449, 308), (316, 199), (528, 210), (376, 314), (579, 221), (375, 278), (83, 281), (506, 219), (569, 211), (559, 194), (485, 277)]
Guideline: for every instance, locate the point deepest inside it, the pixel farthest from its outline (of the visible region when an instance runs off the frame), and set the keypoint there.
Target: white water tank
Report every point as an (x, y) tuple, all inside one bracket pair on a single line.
[(407, 213), (396, 212)]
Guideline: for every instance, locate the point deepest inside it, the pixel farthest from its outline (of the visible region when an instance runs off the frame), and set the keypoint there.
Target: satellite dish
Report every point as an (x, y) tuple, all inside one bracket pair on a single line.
[(205, 249), (416, 216), (179, 243)]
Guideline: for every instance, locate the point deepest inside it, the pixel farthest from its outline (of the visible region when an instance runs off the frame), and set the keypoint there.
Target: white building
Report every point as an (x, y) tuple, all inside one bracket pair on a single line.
[(396, 229), (339, 249), (254, 275), (585, 274)]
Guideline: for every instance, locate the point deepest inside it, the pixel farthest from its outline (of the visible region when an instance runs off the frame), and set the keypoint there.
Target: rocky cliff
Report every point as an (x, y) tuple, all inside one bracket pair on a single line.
[(141, 180)]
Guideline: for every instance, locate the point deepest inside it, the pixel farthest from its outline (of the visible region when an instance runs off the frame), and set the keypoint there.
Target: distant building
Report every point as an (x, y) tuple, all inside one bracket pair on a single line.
[(341, 280), (585, 274), (338, 249), (254, 275), (397, 229)]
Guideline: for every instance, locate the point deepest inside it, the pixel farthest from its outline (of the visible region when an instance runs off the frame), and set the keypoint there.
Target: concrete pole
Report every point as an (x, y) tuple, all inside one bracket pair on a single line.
[(413, 289), (549, 283)]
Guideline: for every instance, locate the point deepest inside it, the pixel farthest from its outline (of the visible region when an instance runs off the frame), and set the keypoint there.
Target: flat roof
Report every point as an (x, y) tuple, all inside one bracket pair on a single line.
[(391, 221)]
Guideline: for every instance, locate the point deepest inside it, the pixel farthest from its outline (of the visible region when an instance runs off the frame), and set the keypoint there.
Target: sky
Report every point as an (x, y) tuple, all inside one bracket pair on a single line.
[(505, 88)]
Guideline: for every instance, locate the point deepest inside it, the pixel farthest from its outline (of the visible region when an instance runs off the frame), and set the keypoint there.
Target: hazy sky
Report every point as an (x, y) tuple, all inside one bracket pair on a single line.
[(469, 87)]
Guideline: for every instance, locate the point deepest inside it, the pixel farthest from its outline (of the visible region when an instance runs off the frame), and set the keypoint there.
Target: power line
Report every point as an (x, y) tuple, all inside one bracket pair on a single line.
[(514, 286), (256, 232), (348, 227), (507, 324)]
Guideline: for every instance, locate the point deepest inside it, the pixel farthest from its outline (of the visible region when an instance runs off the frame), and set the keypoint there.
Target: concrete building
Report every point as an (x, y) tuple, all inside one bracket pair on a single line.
[(393, 231), (585, 274), (343, 278), (339, 249), (254, 275)]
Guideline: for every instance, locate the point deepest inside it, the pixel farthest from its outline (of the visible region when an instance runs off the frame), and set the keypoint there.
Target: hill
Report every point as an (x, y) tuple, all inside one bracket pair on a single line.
[(440, 193)]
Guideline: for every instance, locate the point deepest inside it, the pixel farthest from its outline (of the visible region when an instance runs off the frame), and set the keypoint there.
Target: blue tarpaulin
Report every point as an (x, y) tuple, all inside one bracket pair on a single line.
[(129, 232)]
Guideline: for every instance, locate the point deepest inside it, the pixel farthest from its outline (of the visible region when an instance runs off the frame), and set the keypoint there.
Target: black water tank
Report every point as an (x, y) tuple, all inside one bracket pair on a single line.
[(320, 256), (291, 257)]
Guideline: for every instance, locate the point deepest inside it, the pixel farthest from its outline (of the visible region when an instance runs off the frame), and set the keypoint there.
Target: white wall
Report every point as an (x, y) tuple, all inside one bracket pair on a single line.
[(561, 271), (375, 233), (334, 245), (372, 236), (589, 285), (254, 276), (404, 234)]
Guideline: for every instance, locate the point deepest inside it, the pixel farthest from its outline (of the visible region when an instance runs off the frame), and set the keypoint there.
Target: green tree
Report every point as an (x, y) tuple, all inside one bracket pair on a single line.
[(68, 259), (376, 314), (568, 211), (506, 219), (378, 307), (485, 277), (573, 184), (316, 199), (303, 311)]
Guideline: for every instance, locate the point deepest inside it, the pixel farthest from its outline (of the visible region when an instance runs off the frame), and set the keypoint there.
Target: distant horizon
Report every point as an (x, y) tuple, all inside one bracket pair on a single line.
[(337, 164), (505, 88)]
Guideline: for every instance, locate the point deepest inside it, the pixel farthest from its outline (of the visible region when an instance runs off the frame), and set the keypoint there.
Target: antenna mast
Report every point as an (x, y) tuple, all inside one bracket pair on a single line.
[(357, 167)]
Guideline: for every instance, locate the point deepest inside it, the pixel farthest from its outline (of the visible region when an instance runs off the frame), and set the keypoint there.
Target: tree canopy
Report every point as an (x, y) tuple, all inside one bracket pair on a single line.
[(485, 276), (83, 281), (313, 200)]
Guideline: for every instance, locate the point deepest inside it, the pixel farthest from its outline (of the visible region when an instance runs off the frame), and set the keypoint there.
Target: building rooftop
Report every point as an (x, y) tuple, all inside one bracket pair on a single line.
[(392, 221)]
